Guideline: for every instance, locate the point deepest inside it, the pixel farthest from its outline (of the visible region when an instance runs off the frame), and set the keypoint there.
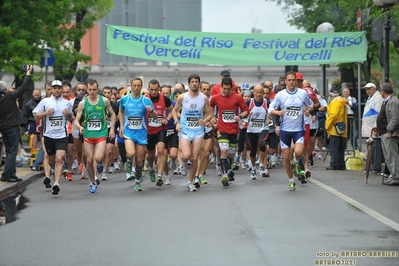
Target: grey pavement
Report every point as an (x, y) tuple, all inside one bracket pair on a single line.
[(252, 222)]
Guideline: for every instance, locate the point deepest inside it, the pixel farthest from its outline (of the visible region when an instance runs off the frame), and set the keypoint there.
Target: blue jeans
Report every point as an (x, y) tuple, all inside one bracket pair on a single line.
[(11, 140), (39, 158)]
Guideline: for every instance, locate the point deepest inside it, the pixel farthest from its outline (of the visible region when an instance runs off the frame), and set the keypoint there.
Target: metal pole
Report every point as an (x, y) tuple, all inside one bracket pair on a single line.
[(325, 91), (387, 28), (359, 110), (46, 73), (127, 58)]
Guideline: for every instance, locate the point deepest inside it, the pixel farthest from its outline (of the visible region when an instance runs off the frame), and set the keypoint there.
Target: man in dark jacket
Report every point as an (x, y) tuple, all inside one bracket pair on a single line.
[(30, 122), (10, 119)]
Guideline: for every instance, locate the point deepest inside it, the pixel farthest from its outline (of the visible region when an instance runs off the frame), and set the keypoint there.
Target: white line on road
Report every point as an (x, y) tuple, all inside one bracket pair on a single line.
[(358, 205)]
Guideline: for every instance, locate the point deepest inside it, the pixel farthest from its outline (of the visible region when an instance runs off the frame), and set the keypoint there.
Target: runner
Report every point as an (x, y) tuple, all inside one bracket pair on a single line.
[(133, 111), (195, 114), (94, 130), (56, 111), (294, 104), (228, 104), (157, 130), (257, 131)]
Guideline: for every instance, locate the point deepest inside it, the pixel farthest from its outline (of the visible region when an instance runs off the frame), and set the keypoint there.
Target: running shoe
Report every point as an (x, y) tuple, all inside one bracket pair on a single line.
[(100, 168), (202, 179), (152, 175), (302, 177), (197, 182), (130, 176), (93, 188), (97, 180), (69, 176), (230, 174), (291, 186), (64, 173), (81, 170), (296, 168), (219, 170), (234, 166), (159, 181), (116, 165), (110, 169), (183, 168), (46, 182), (128, 166), (56, 189), (308, 173), (104, 176), (191, 187), (225, 181), (177, 171), (273, 160), (266, 173), (253, 173), (262, 170), (167, 180), (137, 186)]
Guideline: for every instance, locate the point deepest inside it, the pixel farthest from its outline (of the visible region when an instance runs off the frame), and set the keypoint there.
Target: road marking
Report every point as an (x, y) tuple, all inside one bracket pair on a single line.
[(357, 204)]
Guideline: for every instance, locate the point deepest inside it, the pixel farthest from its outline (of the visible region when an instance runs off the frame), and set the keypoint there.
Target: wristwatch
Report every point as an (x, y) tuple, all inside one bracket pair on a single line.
[(177, 121)]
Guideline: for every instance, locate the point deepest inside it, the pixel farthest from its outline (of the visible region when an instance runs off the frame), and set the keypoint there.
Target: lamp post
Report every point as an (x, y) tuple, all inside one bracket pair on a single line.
[(386, 5), (323, 28)]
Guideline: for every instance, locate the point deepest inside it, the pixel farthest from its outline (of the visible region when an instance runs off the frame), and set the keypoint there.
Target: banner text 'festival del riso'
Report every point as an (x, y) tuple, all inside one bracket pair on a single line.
[(237, 49)]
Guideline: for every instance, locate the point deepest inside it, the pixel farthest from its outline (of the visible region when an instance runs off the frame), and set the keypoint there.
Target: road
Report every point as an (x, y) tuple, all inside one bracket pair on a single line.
[(336, 216)]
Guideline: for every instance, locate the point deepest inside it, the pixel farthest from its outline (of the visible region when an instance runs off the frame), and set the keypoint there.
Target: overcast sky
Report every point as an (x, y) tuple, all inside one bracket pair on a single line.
[(240, 16)]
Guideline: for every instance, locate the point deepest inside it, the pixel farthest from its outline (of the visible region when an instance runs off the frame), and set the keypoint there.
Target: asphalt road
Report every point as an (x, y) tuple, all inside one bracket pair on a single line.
[(336, 216)]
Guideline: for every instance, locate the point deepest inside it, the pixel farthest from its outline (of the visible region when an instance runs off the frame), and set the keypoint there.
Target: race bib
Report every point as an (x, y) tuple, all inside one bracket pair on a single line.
[(293, 112), (170, 132), (55, 122), (256, 123), (192, 123), (134, 123), (94, 125), (228, 116), (155, 122)]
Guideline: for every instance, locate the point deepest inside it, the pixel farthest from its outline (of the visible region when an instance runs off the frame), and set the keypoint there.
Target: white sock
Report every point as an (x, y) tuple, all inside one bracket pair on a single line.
[(56, 184)]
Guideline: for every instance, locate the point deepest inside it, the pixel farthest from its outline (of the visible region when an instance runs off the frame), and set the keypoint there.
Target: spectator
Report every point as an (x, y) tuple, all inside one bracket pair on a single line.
[(10, 120), (337, 128), (30, 122), (370, 113)]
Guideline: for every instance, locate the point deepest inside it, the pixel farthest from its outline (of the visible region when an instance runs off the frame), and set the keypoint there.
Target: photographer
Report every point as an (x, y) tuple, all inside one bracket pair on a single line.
[(10, 119)]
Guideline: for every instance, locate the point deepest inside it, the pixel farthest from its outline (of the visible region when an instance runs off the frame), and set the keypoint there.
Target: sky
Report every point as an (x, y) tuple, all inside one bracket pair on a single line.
[(240, 16)]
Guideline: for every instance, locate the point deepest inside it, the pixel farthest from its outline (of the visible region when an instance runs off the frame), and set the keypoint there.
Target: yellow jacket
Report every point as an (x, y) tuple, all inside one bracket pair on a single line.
[(336, 112)]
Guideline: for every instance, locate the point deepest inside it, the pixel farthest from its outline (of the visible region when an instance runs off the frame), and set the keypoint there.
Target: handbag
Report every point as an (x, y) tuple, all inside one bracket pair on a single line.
[(340, 127)]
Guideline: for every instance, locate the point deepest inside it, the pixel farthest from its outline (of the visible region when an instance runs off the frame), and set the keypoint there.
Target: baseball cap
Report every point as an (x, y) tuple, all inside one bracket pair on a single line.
[(56, 83), (334, 90), (299, 75), (370, 85), (245, 86), (225, 73)]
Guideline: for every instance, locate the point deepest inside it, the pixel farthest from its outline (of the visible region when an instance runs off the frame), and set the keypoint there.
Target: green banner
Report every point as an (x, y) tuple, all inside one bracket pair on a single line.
[(237, 48)]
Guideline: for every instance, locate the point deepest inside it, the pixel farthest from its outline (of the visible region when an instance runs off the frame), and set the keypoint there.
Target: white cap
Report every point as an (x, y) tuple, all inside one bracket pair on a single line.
[(56, 83), (370, 85)]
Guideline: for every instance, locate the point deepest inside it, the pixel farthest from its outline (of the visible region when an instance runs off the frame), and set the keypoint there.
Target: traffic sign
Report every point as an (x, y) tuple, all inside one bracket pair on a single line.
[(82, 75), (47, 58)]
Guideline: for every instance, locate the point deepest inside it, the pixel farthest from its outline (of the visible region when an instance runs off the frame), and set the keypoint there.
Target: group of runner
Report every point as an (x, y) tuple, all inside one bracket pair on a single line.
[(150, 128)]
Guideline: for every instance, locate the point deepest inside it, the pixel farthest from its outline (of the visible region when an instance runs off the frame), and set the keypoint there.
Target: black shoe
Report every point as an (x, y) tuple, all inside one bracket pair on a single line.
[(47, 182), (98, 181), (392, 183), (11, 179), (230, 174), (56, 189), (331, 168)]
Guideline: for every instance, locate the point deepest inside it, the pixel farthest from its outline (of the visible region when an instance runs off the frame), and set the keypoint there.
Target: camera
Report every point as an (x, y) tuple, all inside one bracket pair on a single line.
[(24, 67)]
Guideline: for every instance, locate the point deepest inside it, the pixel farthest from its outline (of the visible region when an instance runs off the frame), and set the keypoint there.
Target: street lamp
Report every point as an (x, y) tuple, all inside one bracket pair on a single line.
[(386, 5), (323, 28)]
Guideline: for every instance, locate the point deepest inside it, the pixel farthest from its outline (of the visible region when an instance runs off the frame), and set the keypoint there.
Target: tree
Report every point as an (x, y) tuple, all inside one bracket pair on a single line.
[(308, 14), (29, 26)]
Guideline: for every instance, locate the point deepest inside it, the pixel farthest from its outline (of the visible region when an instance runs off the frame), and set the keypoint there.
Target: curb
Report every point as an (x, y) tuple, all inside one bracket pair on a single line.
[(12, 188)]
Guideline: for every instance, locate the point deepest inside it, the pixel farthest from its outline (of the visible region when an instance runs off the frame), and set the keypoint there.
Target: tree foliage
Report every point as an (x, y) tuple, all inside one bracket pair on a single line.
[(29, 26), (308, 14)]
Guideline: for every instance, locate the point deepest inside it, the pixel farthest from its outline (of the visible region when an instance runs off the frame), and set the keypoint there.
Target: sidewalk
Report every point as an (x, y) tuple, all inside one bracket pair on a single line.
[(25, 173)]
